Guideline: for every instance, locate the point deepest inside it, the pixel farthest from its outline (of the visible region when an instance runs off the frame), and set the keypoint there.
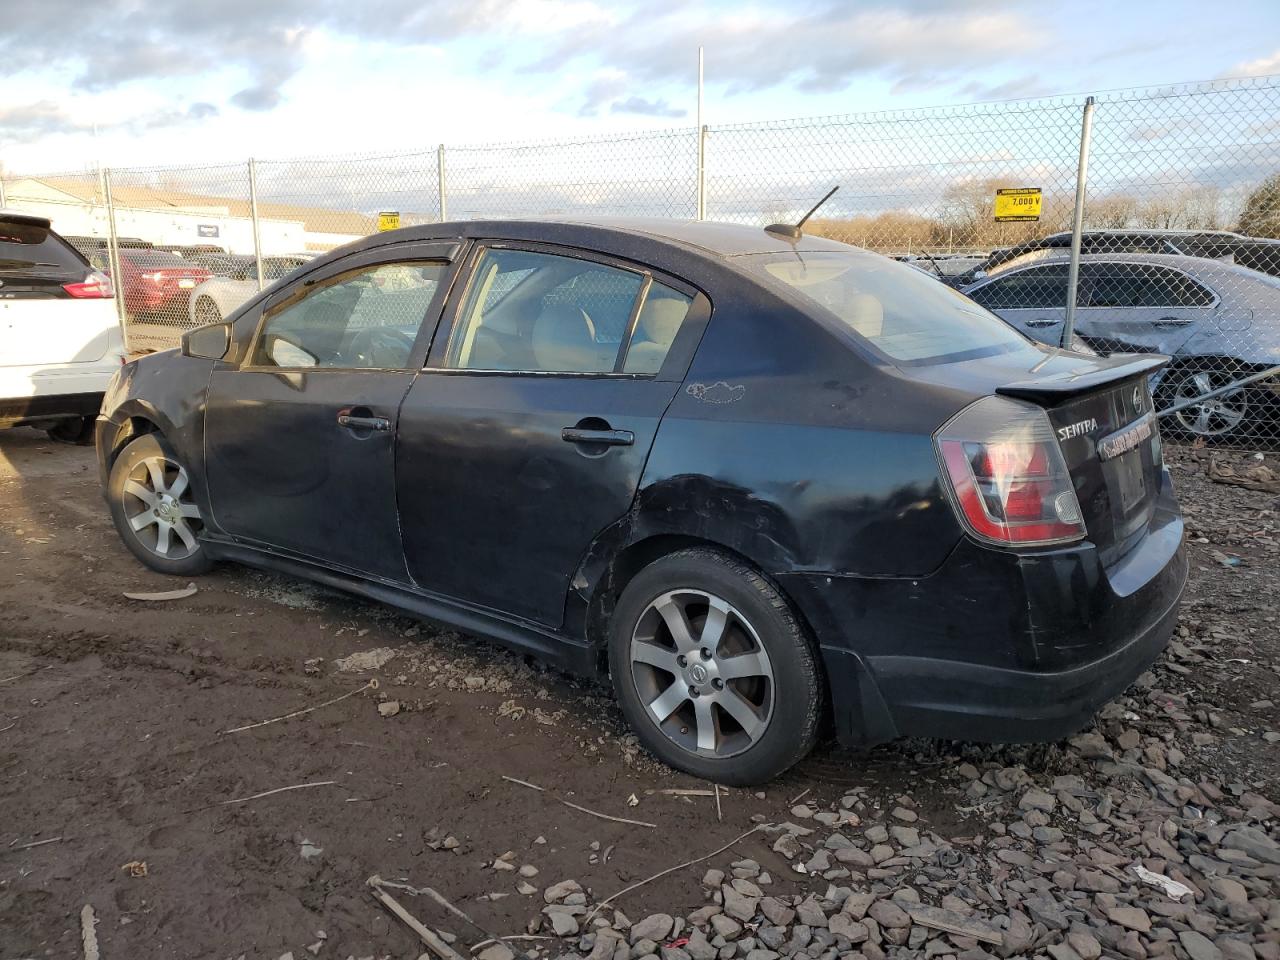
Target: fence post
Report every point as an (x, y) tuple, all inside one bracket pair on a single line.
[(113, 258), (4, 199), (444, 205), (1077, 222), (253, 213), (702, 173)]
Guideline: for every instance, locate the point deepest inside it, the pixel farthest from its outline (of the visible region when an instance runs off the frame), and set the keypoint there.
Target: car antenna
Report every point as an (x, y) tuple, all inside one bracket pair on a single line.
[(794, 232)]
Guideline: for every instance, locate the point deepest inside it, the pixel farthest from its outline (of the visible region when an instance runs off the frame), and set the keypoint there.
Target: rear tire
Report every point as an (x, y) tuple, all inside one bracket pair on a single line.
[(77, 430), (149, 495), (733, 692)]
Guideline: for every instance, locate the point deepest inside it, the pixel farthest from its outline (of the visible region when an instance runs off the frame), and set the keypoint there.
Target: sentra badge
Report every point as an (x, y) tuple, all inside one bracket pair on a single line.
[(1078, 429)]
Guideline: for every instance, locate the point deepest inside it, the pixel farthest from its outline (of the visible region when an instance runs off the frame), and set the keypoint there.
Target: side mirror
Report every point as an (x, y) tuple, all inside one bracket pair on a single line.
[(207, 343), (979, 275), (285, 353)]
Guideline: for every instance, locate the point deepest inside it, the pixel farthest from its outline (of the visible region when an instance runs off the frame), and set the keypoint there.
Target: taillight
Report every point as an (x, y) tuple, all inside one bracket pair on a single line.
[(95, 286), (1007, 476)]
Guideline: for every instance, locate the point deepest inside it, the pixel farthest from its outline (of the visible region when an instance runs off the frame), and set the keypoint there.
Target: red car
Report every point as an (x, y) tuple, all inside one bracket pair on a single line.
[(156, 285)]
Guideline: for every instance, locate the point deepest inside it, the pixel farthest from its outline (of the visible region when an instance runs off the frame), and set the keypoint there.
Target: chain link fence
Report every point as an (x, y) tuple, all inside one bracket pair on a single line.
[(1178, 235)]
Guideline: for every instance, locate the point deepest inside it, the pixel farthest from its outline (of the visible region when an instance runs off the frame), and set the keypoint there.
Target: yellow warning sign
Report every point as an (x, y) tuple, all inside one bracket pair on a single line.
[(390, 220), (1017, 203)]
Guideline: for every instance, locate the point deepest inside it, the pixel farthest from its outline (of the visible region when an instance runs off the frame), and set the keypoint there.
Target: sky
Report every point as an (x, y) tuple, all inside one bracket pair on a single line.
[(129, 83)]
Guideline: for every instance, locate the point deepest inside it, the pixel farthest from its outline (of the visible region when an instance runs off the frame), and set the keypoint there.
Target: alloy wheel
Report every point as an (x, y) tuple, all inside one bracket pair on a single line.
[(1216, 416), (702, 674), (160, 510)]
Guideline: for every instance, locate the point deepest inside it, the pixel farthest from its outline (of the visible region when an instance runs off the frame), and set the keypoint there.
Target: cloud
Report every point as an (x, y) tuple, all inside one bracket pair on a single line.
[(29, 122), (1262, 67), (647, 108)]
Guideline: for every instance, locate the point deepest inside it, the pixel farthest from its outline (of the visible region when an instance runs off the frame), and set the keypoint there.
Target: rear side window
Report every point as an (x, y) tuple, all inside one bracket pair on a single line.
[(1140, 285), (907, 315), (533, 312), (1036, 288), (30, 248)]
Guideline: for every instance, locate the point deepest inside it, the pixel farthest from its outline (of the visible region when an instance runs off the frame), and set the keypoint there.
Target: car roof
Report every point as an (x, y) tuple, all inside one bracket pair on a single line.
[(1053, 255), (707, 237), (21, 216)]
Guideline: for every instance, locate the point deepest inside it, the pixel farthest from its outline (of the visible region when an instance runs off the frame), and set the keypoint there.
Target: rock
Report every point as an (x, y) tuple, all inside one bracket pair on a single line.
[(843, 925), (1062, 951), (787, 846), (557, 892), (1232, 891), (528, 870), (389, 708), (643, 948), (563, 925), (1092, 746), (904, 815), (525, 888), (737, 905), (905, 836), (856, 905), (1037, 800), (498, 951), (810, 913), (364, 660), (673, 953), (712, 879), (1084, 944), (726, 926), (1131, 918), (877, 834), (654, 927), (889, 914), (1254, 843), (1198, 946), (948, 921), (777, 912), (698, 948)]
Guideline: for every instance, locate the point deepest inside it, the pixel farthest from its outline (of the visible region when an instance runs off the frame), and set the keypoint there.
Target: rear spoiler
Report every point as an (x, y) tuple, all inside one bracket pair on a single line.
[(1104, 370)]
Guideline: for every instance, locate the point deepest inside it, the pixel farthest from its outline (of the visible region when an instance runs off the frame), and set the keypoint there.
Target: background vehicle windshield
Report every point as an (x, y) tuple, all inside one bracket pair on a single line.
[(904, 313)]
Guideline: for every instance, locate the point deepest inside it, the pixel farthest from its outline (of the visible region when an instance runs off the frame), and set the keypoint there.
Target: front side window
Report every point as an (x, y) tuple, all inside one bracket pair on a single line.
[(1140, 285), (527, 311), (366, 318), (1036, 288), (906, 314)]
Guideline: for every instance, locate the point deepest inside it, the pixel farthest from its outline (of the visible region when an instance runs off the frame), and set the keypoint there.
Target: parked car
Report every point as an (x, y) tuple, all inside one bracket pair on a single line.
[(1256, 253), (59, 334), (755, 480), (156, 285), (1219, 322), (233, 280)]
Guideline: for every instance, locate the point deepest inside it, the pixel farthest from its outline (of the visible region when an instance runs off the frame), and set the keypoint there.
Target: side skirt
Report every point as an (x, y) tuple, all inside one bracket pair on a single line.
[(567, 653)]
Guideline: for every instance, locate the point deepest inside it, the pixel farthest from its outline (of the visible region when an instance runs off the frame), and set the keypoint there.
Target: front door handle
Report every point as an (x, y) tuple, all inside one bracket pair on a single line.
[(1172, 322), (608, 438), (1042, 322), (363, 423)]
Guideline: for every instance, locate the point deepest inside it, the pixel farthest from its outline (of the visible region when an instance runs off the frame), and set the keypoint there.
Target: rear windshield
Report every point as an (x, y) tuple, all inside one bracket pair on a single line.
[(29, 248), (907, 315)]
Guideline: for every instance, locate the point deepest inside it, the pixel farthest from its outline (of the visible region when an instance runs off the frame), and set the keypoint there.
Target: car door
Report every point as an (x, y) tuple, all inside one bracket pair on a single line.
[(1032, 299), (300, 437), (1142, 307), (526, 435)]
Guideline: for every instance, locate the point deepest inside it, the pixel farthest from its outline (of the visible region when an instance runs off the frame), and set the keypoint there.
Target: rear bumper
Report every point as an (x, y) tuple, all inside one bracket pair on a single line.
[(995, 646), (17, 411)]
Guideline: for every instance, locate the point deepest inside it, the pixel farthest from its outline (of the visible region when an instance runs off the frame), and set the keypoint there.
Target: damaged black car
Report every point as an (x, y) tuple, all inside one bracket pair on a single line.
[(764, 484)]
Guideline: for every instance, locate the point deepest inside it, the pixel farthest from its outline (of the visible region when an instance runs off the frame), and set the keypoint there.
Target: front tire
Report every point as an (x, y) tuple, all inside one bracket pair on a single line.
[(713, 670), (149, 494)]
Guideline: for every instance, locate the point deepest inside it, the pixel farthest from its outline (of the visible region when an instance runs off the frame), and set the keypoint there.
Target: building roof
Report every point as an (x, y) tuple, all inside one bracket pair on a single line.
[(153, 197)]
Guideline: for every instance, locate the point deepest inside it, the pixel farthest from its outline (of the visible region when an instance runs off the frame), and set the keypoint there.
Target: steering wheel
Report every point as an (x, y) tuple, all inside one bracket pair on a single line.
[(380, 347)]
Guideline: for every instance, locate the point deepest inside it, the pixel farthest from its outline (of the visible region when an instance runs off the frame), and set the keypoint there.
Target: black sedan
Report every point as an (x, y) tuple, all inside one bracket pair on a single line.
[(760, 481)]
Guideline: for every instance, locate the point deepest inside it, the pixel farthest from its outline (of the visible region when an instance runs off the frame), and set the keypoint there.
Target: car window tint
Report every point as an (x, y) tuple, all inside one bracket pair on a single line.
[(366, 318), (29, 247), (906, 314), (541, 312), (1139, 285), (659, 320), (1036, 288)]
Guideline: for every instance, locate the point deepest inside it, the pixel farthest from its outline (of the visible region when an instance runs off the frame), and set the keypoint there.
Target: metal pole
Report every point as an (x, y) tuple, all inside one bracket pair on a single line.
[(4, 199), (253, 212), (444, 205), (1077, 222), (113, 258), (702, 150)]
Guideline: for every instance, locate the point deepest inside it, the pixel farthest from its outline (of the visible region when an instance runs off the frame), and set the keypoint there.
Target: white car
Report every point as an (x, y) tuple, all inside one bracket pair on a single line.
[(234, 280), (60, 338)]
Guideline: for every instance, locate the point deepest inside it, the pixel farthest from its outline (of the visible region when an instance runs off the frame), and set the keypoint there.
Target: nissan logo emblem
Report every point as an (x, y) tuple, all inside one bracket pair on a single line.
[(1137, 397)]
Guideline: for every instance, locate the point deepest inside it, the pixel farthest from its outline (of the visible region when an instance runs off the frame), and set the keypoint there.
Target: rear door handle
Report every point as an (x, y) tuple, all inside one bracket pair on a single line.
[(1172, 322), (609, 438), (1042, 322), (363, 423)]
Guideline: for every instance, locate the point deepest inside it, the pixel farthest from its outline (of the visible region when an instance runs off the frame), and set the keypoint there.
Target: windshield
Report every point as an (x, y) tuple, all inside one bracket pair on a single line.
[(907, 315), (32, 248)]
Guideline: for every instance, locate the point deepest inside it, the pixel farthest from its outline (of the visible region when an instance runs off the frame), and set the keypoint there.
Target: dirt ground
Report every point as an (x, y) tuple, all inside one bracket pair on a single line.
[(113, 747)]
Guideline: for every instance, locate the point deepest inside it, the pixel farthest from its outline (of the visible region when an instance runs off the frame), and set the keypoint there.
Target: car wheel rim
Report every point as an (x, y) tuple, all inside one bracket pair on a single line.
[(159, 508), (703, 677), (207, 313), (1214, 417)]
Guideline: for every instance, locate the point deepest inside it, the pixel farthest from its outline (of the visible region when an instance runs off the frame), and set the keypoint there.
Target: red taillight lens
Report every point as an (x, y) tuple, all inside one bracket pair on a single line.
[(1007, 475), (96, 286)]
